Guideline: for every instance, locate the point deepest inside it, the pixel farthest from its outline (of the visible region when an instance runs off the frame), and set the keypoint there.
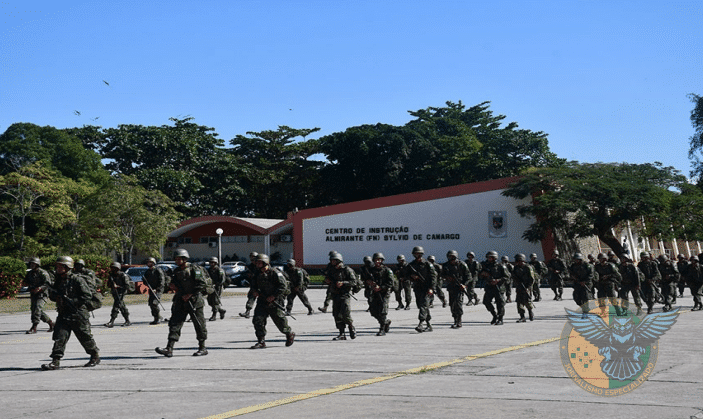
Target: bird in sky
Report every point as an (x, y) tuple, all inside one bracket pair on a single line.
[(76, 113)]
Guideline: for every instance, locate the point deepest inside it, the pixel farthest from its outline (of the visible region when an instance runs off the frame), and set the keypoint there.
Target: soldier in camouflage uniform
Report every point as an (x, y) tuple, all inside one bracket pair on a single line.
[(474, 268), (424, 277), (79, 268), (365, 275), (524, 278), (652, 276), (380, 284), (631, 281), (119, 283), (438, 285), (190, 285), (609, 280), (495, 275), (583, 274), (404, 284), (299, 281), (556, 268), (458, 276), (155, 278), (509, 285), (540, 272), (670, 279), (694, 279), (251, 272), (218, 277), (342, 280), (682, 265), (38, 281), (270, 288), (328, 294), (71, 293)]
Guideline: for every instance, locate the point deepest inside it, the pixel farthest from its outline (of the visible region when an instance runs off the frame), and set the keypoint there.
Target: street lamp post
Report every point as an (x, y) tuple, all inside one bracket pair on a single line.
[(219, 232)]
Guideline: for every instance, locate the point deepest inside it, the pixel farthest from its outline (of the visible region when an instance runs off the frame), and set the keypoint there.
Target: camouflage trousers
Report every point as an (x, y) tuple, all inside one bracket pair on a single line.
[(494, 294), (631, 289), (78, 323), (263, 311), (154, 304), (341, 310), (37, 307), (180, 310), (456, 301), (378, 306), (300, 293), (423, 304)]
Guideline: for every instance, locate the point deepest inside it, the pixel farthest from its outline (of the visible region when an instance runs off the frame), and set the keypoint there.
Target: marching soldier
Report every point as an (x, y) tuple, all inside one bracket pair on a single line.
[(342, 280), (669, 281), (404, 284), (299, 281), (540, 272), (270, 289), (71, 293), (631, 281), (38, 281), (694, 278), (474, 268), (496, 276), (524, 278), (438, 285), (424, 278), (583, 274), (380, 283), (609, 279), (650, 269), (328, 294), (217, 274), (365, 274), (119, 283), (155, 278), (190, 285), (556, 268), (457, 275), (682, 265), (509, 285), (251, 271)]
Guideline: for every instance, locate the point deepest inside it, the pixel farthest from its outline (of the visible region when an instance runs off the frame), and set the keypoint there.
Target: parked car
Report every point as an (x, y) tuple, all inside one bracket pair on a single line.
[(136, 273), (237, 273)]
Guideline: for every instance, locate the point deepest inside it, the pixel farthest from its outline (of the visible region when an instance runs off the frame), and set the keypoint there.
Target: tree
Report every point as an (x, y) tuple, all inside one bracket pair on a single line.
[(591, 199), (24, 143), (173, 159), (125, 216), (696, 141), (278, 174)]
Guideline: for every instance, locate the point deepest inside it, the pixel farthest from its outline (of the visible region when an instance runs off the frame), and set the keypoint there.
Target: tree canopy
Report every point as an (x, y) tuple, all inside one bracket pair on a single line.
[(696, 142), (586, 199)]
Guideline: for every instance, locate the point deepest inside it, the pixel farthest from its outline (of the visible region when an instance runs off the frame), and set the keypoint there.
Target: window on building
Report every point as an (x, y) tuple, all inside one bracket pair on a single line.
[(256, 239)]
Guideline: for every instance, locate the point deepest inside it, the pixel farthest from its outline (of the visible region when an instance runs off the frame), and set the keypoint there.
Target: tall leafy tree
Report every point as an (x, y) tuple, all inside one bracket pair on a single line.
[(696, 141), (591, 199), (278, 172), (24, 143)]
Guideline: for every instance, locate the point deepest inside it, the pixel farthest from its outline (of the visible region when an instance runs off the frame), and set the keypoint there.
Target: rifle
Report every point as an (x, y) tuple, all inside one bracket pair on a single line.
[(193, 316), (279, 305), (454, 279), (154, 294)]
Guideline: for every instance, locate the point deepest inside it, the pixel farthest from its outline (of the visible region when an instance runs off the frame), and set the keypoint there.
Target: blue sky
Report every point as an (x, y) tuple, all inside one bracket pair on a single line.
[(607, 80)]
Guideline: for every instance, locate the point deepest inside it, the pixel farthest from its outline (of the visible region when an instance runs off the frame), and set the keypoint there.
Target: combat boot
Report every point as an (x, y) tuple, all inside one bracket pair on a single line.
[(420, 328), (310, 311), (444, 303), (51, 326), (341, 336), (457, 323), (428, 327), (387, 326), (499, 321), (126, 322), (323, 309), (381, 331), (261, 344), (157, 319), (213, 317), (53, 365), (352, 331), (202, 351), (94, 360), (495, 317), (32, 329), (168, 350), (400, 306), (522, 319), (532, 315), (290, 338), (245, 314), (407, 306), (111, 323), (222, 314)]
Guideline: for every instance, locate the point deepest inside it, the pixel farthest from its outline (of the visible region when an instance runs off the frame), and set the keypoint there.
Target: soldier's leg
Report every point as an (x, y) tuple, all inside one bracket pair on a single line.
[(279, 319), (488, 297), (399, 296), (199, 325), (408, 293), (440, 295), (289, 301), (62, 332), (306, 302), (500, 308), (175, 323), (85, 337)]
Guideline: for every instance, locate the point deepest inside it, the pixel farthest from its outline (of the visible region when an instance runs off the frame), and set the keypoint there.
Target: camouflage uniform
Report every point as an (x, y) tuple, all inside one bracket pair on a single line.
[(438, 285), (474, 268), (188, 281), (251, 299), (694, 279), (650, 269), (156, 278), (682, 265), (380, 284), (583, 275), (71, 292), (609, 278), (38, 281), (270, 285), (458, 277), (119, 284), (556, 270), (496, 276), (670, 278), (404, 286), (540, 272), (217, 274), (424, 278), (632, 278), (509, 284), (524, 278), (298, 284), (94, 282)]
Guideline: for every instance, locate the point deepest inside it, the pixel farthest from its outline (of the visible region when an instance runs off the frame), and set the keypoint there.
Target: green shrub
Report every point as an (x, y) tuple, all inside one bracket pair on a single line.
[(12, 273)]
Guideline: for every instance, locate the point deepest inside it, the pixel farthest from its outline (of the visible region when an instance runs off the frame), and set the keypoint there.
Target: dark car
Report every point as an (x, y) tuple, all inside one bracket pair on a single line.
[(136, 273)]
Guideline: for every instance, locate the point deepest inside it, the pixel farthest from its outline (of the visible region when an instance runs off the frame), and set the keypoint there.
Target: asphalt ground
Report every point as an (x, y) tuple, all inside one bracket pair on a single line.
[(511, 371)]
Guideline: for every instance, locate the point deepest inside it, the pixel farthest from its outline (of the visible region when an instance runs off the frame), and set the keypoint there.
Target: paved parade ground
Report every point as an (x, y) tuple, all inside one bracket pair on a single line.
[(509, 371)]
